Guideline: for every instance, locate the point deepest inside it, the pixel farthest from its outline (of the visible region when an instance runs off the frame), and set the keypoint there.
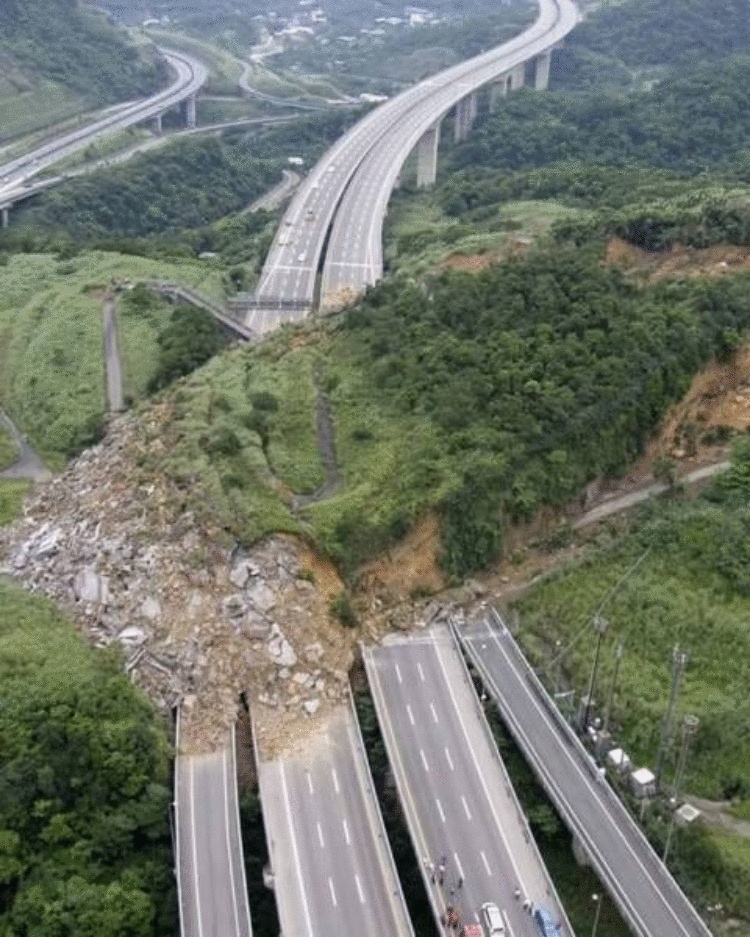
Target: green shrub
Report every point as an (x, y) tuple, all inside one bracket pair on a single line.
[(341, 607)]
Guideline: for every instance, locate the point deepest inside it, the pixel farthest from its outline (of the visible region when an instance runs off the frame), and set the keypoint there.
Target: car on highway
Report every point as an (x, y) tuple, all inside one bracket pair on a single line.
[(310, 215), (493, 920), (472, 930), (301, 257), (545, 921)]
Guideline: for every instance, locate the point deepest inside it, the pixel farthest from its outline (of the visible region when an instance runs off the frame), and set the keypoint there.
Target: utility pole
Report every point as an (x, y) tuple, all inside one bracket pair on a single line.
[(680, 662), (619, 651), (601, 627), (689, 728)]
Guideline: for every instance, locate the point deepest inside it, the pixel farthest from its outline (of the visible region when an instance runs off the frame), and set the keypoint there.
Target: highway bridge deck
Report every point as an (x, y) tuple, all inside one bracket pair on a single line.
[(210, 866), (332, 866), (640, 884), (455, 792)]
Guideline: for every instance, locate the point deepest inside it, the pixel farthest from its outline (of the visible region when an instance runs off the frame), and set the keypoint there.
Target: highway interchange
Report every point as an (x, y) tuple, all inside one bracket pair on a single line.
[(332, 864)]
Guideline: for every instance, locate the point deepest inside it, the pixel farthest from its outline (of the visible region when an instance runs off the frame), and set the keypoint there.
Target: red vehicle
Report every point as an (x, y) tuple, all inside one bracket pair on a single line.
[(472, 930)]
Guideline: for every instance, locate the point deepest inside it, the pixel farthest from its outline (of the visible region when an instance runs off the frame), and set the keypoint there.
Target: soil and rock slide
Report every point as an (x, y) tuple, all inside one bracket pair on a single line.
[(198, 621)]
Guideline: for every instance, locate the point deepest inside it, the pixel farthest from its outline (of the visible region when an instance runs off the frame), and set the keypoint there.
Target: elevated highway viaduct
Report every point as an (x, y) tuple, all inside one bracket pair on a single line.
[(354, 170), (190, 76)]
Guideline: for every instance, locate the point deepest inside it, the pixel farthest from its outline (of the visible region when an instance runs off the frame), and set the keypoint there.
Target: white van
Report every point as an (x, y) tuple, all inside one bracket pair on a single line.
[(493, 920)]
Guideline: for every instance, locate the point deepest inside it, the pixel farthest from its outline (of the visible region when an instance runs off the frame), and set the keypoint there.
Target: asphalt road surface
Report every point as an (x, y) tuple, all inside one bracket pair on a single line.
[(646, 893), (453, 787), (332, 865), (291, 267), (354, 258), (190, 76), (28, 464), (112, 360), (210, 867)]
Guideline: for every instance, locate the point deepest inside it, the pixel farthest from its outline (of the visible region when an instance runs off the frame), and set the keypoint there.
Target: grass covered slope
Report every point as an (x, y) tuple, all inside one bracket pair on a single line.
[(66, 42), (692, 590), (51, 345), (84, 792)]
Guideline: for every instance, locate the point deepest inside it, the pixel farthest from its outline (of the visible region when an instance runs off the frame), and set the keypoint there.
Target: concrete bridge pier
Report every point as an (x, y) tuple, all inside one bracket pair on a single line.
[(427, 151), (499, 89), (157, 124), (466, 112), (191, 112), (541, 70), (518, 77)]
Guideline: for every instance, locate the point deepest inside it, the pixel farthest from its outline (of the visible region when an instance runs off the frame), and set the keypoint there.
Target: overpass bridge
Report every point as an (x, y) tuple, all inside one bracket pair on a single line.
[(640, 884)]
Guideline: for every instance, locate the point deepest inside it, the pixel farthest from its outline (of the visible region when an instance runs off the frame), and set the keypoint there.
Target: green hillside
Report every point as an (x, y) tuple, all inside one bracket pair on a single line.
[(59, 58)]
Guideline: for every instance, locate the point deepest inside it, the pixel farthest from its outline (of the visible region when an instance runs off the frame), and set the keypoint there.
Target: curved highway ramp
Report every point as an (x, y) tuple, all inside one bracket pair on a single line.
[(466, 824), (210, 866), (648, 897), (332, 867)]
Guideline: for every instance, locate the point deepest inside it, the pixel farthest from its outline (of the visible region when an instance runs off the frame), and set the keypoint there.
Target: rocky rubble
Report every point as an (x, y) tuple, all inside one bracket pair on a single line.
[(198, 621)]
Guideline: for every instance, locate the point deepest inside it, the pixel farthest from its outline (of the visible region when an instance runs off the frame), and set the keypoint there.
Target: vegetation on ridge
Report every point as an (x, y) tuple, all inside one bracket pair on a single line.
[(85, 847), (63, 41)]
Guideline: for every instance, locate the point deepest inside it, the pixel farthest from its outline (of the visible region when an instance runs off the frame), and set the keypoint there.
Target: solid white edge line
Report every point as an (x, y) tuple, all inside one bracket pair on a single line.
[(492, 684), (295, 850), (196, 878), (230, 855), (243, 875)]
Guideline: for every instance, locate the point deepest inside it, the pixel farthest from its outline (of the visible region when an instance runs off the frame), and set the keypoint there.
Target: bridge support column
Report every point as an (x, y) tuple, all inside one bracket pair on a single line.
[(466, 112), (427, 151), (498, 89), (518, 77), (157, 124), (4, 217), (541, 70), (191, 112)]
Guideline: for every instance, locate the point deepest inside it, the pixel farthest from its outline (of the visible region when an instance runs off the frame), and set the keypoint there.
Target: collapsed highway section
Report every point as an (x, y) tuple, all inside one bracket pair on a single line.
[(470, 835)]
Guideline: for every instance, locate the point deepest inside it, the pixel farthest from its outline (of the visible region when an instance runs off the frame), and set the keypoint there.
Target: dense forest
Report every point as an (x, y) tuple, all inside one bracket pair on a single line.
[(668, 32), (174, 194), (534, 377), (693, 121), (64, 41), (84, 789)]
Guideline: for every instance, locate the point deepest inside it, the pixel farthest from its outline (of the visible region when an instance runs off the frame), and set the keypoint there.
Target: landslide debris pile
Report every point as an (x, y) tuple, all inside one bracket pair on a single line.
[(198, 620)]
